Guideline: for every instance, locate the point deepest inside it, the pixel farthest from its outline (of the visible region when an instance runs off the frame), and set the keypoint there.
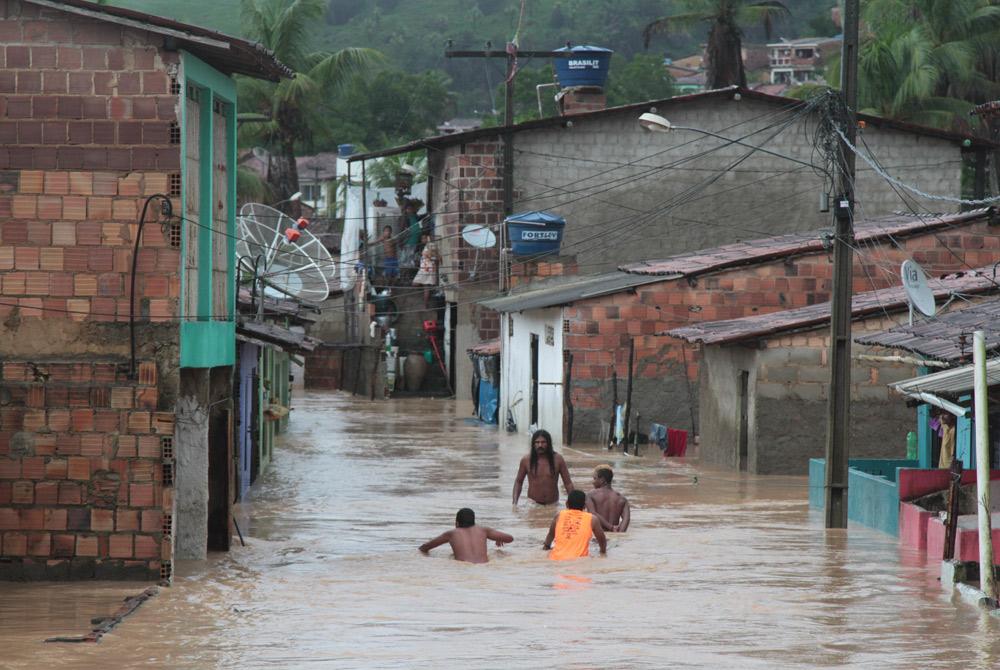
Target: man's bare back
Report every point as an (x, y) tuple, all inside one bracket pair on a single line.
[(467, 540), (610, 506)]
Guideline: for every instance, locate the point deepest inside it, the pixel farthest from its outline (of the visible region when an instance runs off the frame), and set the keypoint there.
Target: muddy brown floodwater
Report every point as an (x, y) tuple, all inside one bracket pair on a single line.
[(729, 572)]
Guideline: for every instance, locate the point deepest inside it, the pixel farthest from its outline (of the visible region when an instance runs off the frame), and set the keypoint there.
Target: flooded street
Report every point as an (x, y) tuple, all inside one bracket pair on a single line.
[(726, 571)]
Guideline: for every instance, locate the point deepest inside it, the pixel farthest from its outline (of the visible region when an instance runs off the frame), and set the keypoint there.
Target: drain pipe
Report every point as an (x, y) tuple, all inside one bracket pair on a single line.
[(167, 210)]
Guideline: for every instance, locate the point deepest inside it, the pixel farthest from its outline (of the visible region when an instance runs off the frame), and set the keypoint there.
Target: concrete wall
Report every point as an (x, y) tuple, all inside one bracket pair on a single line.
[(86, 469), (515, 373), (606, 175), (191, 452), (791, 379), (720, 404)]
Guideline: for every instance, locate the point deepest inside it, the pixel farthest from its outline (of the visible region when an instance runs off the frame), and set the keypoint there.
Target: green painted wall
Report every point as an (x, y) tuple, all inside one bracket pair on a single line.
[(207, 339)]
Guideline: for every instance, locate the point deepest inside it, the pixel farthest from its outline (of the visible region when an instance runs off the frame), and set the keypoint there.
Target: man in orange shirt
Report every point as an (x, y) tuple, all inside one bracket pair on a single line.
[(572, 529)]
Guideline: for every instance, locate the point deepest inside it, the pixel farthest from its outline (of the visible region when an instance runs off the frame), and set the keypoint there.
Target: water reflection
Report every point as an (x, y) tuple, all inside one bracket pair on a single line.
[(719, 570)]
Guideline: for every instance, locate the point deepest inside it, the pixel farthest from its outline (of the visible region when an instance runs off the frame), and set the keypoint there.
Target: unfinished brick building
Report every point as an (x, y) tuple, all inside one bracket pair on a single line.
[(106, 468), (595, 321), (627, 195), (758, 371)]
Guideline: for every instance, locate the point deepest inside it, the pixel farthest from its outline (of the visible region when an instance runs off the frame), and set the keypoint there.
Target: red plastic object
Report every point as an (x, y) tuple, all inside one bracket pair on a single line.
[(430, 326), (302, 223), (292, 235)]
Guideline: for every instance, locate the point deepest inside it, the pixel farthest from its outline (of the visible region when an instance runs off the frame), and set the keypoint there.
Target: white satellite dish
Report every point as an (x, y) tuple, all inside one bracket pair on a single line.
[(478, 236), (301, 269), (919, 293)]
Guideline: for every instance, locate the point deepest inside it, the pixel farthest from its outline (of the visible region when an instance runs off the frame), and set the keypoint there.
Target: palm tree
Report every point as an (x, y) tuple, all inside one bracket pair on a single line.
[(926, 61), (724, 52), (292, 105)]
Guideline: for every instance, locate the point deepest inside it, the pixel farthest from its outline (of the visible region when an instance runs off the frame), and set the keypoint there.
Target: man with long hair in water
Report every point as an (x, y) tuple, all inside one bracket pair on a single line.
[(543, 467), (467, 540)]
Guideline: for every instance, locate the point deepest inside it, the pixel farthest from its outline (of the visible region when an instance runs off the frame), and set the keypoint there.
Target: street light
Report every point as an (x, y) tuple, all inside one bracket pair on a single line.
[(655, 123), (294, 198)]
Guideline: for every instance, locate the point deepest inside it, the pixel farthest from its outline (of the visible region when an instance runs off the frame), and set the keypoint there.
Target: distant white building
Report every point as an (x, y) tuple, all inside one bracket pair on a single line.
[(799, 61)]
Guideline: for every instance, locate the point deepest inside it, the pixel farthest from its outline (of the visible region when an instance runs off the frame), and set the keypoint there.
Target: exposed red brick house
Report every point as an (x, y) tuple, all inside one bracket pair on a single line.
[(596, 321), (114, 452)]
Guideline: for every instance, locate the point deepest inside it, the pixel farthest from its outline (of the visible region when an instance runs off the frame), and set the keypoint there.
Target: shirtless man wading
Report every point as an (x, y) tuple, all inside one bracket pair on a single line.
[(610, 506), (467, 540), (543, 467)]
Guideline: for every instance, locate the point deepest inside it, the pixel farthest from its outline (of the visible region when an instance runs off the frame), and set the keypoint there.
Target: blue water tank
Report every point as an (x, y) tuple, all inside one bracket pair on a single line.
[(535, 233), (345, 149), (587, 66)]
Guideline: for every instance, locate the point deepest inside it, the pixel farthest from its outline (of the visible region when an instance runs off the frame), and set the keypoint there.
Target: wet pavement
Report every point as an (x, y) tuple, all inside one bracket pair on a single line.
[(730, 571)]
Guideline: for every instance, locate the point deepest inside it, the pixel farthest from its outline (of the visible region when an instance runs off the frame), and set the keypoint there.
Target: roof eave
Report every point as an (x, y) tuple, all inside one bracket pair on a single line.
[(436, 141)]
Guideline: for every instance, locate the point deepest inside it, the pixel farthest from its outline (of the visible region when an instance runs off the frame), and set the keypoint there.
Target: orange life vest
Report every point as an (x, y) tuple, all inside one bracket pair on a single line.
[(573, 533)]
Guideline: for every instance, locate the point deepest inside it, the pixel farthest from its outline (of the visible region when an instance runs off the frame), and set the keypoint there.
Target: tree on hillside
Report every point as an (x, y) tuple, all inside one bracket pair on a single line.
[(292, 105), (389, 107), (726, 18)]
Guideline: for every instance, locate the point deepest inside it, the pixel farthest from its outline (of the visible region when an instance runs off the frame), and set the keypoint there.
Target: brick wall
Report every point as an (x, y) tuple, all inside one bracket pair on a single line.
[(469, 190), (85, 472), (87, 132), (580, 100), (85, 129), (323, 368), (600, 328)]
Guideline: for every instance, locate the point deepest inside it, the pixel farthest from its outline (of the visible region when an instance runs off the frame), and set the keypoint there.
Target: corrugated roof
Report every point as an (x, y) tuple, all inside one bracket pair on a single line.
[(952, 382), (276, 335), (863, 304), (782, 246), (564, 293), (938, 338), (663, 106), (226, 53)]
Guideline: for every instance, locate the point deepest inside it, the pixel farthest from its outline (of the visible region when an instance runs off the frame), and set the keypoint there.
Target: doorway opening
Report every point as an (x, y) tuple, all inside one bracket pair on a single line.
[(534, 380)]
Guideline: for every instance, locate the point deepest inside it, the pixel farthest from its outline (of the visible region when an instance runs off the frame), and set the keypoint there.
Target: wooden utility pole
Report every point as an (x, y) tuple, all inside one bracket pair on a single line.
[(839, 420), (511, 54)]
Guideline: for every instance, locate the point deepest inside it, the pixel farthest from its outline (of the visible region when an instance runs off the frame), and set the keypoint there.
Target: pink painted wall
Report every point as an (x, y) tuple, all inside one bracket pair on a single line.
[(913, 521), (916, 482), (966, 542)]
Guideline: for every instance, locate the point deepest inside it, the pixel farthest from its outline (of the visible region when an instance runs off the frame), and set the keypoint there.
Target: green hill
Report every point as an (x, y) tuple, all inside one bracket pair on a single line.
[(414, 33), (220, 15)]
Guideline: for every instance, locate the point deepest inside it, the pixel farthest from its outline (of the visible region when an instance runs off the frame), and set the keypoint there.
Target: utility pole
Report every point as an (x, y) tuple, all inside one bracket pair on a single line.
[(510, 54), (839, 420), (987, 576)]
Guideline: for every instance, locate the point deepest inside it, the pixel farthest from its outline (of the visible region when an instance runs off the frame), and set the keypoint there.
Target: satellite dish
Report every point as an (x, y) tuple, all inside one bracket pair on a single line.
[(920, 294), (478, 236), (290, 265)]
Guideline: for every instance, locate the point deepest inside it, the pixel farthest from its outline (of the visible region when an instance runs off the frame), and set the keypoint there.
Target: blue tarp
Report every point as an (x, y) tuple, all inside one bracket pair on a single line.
[(489, 402)]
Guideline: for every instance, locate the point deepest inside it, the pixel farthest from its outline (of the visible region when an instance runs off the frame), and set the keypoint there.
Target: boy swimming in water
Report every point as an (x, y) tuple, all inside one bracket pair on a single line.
[(467, 540)]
